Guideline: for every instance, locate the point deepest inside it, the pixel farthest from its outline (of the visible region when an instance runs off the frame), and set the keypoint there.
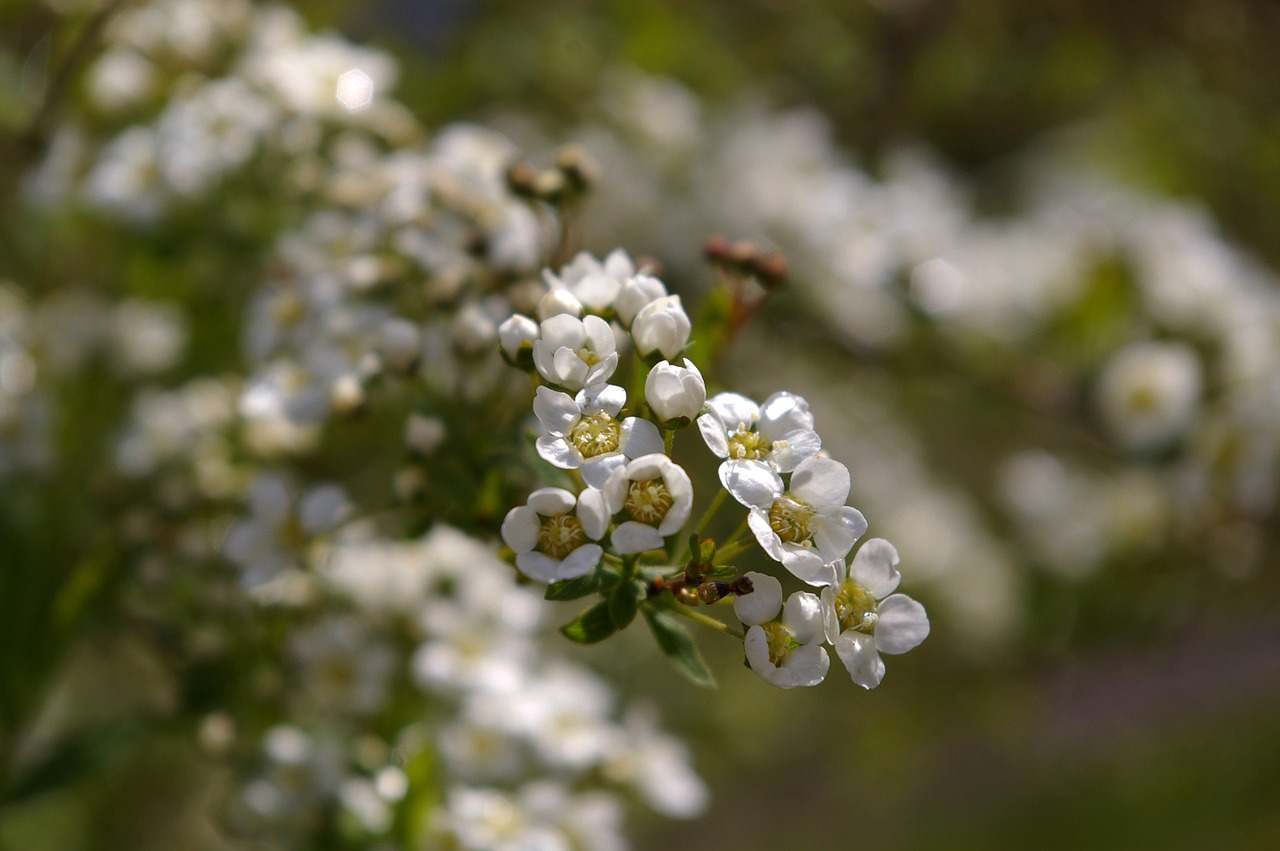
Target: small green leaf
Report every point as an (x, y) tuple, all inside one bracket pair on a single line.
[(576, 589), (675, 642), (723, 571), (591, 626), (622, 603)]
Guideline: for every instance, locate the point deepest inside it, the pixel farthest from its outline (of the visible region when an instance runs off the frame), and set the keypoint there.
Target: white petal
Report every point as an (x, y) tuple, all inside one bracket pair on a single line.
[(763, 603), (323, 507), (650, 466), (539, 566), (618, 265), (639, 437), (758, 521), (756, 647), (806, 666), (733, 408), (807, 565), (752, 483), (803, 616), (873, 568), (782, 413), (597, 470), (580, 562), (857, 651), (552, 502), (830, 618), (615, 489), (558, 451), (681, 490), (563, 331), (714, 434), (593, 513), (633, 537), (567, 369), (796, 446), (557, 411), (602, 371), (597, 291), (821, 482), (602, 397), (835, 533), (599, 336), (902, 625), (520, 529)]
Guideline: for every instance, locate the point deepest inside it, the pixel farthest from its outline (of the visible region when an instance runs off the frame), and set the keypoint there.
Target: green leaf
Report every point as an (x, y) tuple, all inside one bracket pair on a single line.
[(591, 626), (675, 642), (576, 589), (622, 603)]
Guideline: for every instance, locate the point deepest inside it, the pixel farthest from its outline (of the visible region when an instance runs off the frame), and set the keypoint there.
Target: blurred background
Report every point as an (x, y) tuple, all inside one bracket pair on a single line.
[(1032, 303)]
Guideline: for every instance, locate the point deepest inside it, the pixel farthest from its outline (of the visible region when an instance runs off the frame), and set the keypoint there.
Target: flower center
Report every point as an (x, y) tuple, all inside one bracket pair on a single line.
[(560, 535), (790, 519), (648, 501), (855, 607), (747, 445), (596, 434), (781, 642), (589, 357), (1144, 399)]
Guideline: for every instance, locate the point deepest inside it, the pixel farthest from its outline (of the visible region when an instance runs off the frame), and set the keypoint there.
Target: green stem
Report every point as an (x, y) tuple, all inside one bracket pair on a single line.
[(725, 553), (715, 505), (635, 397), (668, 441), (707, 620)]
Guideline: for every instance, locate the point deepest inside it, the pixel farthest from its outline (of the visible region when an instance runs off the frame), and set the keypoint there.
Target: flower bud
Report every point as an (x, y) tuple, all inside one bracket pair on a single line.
[(557, 301), (675, 394), (516, 336), (422, 434), (637, 291), (661, 327)]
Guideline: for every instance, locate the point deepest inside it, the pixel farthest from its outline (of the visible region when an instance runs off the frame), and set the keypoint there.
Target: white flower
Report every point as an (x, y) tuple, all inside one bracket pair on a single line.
[(1148, 393), (778, 433), (785, 653), (557, 301), (676, 394), (863, 620), (551, 538), (655, 495), (636, 293), (575, 353), (280, 529), (661, 327), (584, 431), (806, 527), (594, 285)]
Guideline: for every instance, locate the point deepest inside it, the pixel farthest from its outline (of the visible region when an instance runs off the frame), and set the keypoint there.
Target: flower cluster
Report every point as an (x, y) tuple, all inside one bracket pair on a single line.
[(616, 523)]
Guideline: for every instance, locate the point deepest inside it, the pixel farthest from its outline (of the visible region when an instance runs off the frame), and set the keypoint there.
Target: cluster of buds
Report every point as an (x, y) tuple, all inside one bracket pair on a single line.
[(616, 523)]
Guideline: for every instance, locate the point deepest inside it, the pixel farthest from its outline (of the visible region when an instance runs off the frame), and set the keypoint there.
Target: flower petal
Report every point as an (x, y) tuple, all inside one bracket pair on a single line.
[(763, 603), (781, 413), (834, 533), (639, 437), (596, 471), (539, 566), (807, 565), (593, 513), (557, 412), (322, 508), (821, 482), (734, 408), (794, 448), (602, 370), (552, 502), (758, 521), (806, 666), (857, 651), (902, 625), (580, 562), (634, 537), (714, 434), (803, 616), (873, 568), (520, 529), (558, 451), (602, 397), (756, 647), (752, 483)]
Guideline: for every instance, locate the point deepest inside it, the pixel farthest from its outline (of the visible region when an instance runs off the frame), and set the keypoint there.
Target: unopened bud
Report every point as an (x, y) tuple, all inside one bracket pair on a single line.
[(580, 170), (522, 180), (346, 396), (770, 269)]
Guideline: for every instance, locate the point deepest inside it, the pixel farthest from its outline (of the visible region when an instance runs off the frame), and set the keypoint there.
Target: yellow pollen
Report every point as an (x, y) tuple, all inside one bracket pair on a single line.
[(790, 519), (1144, 399), (648, 501), (596, 434), (781, 643), (855, 607), (560, 535), (588, 357), (747, 445)]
